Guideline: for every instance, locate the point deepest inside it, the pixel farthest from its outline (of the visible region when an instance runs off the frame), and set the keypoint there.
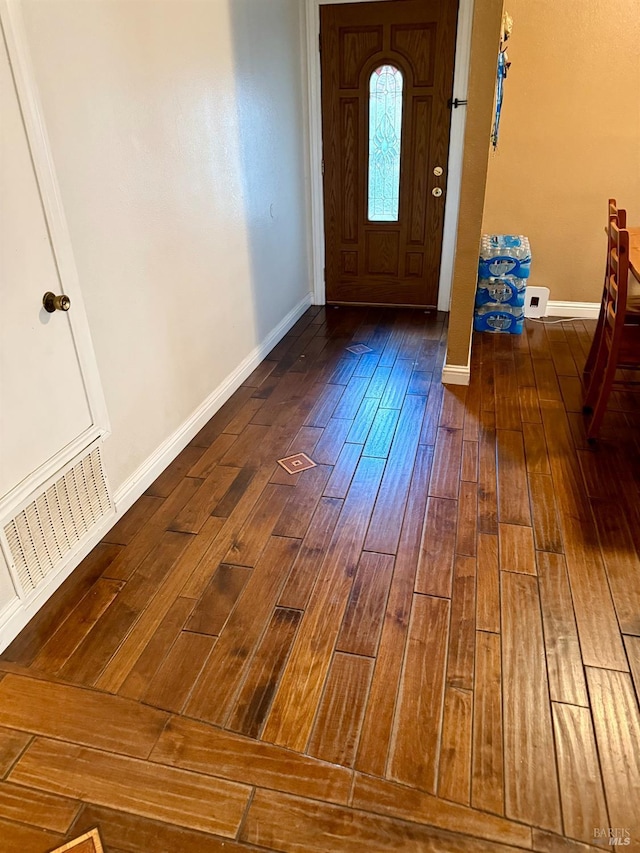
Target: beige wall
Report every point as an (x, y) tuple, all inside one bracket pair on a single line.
[(177, 132), (570, 136), (485, 38)]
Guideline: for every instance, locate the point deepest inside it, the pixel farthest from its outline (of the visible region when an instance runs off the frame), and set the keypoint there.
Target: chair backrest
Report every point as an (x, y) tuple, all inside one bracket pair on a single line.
[(617, 213), (617, 276)]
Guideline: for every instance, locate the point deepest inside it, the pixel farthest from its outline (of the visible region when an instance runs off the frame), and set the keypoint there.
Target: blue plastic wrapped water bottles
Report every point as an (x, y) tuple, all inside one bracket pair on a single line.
[(499, 318), (505, 290), (504, 254), (503, 269)]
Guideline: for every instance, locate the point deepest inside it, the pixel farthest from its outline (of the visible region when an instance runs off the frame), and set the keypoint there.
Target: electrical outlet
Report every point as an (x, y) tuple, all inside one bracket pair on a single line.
[(535, 301)]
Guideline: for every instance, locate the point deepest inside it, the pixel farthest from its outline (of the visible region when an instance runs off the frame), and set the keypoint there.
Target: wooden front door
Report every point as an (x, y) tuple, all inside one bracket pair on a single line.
[(387, 78)]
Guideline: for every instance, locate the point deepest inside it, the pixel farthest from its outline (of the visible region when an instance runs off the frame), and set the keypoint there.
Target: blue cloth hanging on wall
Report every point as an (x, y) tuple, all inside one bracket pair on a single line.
[(503, 66)]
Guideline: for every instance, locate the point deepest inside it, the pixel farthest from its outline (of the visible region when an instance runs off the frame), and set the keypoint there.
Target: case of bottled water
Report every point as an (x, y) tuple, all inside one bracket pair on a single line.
[(504, 254), (503, 270), (494, 317), (506, 290)]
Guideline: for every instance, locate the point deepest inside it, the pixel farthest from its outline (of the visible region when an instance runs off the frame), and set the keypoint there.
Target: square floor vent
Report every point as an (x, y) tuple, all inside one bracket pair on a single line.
[(51, 526)]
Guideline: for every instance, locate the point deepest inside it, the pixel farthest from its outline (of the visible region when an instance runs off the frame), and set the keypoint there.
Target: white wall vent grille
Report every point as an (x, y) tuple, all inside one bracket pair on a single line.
[(50, 527)]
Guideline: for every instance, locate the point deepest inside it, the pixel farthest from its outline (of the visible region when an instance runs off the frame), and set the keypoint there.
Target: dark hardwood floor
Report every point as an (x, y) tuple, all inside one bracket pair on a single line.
[(428, 642)]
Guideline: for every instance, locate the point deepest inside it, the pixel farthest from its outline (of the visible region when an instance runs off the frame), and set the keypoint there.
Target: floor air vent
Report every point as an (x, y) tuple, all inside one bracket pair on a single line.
[(51, 526)]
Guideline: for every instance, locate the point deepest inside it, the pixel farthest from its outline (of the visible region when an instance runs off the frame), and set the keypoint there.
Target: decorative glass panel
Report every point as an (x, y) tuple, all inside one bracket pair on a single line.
[(385, 128)]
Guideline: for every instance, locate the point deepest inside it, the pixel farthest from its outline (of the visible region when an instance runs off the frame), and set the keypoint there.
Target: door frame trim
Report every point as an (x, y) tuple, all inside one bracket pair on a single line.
[(12, 25), (456, 144)]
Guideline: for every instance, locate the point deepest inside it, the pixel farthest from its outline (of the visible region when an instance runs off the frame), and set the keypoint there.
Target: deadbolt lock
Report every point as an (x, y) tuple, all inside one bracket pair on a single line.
[(53, 303), (438, 171), (436, 191)]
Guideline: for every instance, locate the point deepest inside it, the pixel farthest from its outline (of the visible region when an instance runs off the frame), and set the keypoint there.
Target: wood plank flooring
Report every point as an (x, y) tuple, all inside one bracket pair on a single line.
[(428, 642)]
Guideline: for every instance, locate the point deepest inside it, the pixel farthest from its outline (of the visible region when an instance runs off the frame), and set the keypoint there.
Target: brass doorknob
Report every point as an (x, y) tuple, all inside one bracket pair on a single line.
[(53, 303)]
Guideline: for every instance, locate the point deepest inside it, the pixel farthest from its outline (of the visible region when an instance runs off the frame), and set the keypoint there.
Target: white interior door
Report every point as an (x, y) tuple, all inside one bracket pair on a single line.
[(47, 410)]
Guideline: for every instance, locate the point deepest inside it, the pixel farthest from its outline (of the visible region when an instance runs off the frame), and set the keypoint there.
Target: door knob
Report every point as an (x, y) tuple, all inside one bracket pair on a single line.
[(436, 191), (53, 303), (438, 170)]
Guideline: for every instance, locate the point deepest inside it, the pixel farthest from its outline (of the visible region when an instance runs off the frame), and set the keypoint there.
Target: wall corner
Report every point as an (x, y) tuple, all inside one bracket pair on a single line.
[(485, 38)]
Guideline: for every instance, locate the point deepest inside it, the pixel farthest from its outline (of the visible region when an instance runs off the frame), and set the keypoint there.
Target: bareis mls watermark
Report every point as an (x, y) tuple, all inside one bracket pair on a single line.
[(617, 836)]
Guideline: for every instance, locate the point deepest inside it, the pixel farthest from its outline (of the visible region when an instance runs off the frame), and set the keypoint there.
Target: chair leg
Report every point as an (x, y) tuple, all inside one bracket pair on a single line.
[(600, 406), (596, 375), (595, 346)]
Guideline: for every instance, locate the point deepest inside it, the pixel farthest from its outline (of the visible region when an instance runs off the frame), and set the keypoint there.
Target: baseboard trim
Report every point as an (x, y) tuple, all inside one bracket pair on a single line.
[(456, 374), (580, 310), (154, 465), (13, 617), (18, 612)]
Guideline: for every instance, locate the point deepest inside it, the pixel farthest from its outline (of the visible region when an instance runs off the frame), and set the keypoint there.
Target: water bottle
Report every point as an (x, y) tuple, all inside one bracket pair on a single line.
[(504, 254), (495, 317), (507, 290)]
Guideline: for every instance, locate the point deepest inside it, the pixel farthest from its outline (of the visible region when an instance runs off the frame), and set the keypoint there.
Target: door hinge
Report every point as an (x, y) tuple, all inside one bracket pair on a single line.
[(456, 102), (324, 274), (320, 42), (322, 166)]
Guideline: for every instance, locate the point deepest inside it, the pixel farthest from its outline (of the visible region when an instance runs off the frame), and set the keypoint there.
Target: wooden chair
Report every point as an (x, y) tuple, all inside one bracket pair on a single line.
[(616, 344), (619, 216)]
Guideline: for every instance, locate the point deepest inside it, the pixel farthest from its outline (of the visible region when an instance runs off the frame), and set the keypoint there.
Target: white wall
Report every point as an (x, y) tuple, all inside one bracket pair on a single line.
[(177, 132)]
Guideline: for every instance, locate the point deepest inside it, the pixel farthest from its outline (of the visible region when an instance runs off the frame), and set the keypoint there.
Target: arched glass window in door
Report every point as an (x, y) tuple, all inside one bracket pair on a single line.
[(385, 131)]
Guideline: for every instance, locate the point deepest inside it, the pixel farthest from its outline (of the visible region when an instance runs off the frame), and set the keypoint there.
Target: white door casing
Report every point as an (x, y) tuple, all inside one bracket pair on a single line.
[(53, 407)]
